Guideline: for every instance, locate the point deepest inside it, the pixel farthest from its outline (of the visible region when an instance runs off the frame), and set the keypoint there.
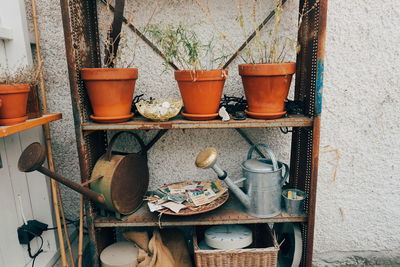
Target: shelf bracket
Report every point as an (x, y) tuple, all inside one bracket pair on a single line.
[(249, 141), (156, 138), (285, 130)]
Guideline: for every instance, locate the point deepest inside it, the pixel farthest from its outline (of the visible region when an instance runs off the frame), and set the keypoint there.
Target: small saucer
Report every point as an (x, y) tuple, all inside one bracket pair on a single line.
[(115, 119), (265, 116), (199, 117), (12, 121)]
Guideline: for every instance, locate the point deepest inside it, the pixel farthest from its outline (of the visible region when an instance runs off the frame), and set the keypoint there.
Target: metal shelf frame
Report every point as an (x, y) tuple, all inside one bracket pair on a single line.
[(83, 50)]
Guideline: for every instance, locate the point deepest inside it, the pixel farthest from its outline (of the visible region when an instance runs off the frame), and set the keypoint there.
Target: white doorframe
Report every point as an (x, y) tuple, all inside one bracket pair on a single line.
[(31, 190)]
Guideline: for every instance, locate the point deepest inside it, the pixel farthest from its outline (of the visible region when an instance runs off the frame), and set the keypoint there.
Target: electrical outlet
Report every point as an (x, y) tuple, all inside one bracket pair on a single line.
[(27, 232)]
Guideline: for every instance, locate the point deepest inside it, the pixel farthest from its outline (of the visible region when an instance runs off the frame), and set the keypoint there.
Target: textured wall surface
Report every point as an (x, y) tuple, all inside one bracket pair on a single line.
[(358, 192)]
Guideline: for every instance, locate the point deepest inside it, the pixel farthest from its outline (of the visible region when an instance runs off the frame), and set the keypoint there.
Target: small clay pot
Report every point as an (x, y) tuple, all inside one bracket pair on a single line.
[(201, 90), (266, 86), (14, 98), (110, 92)]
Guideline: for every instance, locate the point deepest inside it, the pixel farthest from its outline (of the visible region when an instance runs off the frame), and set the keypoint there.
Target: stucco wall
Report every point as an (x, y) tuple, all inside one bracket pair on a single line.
[(358, 194)]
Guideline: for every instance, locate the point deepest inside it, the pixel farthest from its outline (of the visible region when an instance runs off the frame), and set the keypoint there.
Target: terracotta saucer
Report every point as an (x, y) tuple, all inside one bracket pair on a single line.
[(265, 116), (115, 119), (12, 121), (199, 117)]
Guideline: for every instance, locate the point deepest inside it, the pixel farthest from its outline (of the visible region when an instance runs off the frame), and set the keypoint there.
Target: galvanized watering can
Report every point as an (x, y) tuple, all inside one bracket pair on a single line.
[(263, 180)]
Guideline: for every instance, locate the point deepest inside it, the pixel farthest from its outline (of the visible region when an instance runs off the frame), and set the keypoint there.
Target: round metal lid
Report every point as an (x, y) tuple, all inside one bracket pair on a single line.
[(256, 165)]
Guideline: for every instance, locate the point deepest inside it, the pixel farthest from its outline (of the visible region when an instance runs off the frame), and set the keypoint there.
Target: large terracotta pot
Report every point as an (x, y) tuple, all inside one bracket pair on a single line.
[(14, 99), (266, 86), (201, 92), (110, 92)]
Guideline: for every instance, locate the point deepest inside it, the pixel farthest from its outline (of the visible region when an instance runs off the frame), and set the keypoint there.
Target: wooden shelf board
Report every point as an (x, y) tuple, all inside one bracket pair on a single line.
[(231, 212), (140, 123), (32, 123)]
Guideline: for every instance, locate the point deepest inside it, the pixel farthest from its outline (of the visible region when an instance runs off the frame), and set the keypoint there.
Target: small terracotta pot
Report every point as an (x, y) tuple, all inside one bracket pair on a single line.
[(14, 100), (110, 91), (266, 86), (201, 90)]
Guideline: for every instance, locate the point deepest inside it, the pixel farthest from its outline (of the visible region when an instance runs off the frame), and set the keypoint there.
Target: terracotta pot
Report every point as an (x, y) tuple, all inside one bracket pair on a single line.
[(110, 92), (201, 90), (14, 99), (266, 86)]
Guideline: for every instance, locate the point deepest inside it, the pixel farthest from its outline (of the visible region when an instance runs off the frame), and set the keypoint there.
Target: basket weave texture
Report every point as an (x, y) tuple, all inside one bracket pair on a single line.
[(250, 257)]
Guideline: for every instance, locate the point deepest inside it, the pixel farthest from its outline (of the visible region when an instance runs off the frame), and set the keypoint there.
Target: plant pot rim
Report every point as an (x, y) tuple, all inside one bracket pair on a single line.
[(99, 74), (16, 88), (267, 69), (201, 75), (107, 69)]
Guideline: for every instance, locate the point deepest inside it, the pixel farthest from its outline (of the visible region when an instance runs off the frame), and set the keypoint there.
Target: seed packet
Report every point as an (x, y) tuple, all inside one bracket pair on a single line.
[(198, 199), (153, 207), (175, 207)]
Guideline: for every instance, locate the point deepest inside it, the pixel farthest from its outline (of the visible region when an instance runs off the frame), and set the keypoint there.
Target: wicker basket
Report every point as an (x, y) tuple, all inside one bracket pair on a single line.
[(261, 253)]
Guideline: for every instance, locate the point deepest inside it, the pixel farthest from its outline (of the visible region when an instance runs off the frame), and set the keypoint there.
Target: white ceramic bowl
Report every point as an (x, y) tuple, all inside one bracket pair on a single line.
[(161, 109)]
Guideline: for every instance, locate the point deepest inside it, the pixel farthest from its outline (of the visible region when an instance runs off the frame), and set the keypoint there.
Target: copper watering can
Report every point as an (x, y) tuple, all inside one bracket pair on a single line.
[(118, 183)]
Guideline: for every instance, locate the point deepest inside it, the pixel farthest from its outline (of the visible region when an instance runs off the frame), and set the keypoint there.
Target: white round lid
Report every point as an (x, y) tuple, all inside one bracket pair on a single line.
[(228, 236), (120, 254)]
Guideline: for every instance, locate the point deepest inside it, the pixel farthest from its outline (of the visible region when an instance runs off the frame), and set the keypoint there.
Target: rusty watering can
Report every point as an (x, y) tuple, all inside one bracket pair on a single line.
[(118, 183), (263, 180)]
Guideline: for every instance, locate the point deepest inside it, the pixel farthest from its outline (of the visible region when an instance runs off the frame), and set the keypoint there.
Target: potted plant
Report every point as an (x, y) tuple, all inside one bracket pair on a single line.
[(14, 90), (266, 76), (200, 78), (111, 89)]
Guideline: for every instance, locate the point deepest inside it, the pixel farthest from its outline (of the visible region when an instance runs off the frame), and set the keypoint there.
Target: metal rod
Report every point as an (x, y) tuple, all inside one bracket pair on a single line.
[(248, 140), (83, 190), (143, 37), (113, 35), (243, 46), (156, 138)]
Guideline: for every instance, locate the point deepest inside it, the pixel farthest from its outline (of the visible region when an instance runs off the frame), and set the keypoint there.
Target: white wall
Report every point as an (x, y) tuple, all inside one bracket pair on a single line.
[(357, 215), (358, 212)]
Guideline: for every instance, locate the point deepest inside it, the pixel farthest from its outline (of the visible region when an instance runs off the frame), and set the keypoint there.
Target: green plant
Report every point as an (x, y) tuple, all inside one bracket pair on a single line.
[(270, 46), (22, 75), (182, 47)]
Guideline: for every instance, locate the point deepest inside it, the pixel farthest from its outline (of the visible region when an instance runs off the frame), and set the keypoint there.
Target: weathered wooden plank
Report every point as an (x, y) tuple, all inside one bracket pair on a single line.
[(9, 130), (231, 212), (140, 123)]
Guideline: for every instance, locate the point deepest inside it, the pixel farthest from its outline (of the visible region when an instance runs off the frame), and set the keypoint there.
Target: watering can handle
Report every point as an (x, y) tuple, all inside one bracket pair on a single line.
[(115, 137), (287, 171), (269, 151)]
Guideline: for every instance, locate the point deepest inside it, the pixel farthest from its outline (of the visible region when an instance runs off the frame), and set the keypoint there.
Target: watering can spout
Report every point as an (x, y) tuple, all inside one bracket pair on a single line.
[(32, 159), (206, 159)]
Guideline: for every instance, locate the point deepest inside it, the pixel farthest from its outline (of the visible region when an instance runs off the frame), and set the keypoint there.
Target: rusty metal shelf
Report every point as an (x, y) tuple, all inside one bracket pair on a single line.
[(231, 212), (32, 123), (140, 123)]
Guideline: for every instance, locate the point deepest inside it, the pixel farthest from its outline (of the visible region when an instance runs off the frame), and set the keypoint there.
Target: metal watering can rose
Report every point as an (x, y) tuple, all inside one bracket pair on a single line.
[(263, 180)]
